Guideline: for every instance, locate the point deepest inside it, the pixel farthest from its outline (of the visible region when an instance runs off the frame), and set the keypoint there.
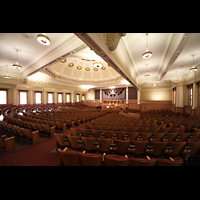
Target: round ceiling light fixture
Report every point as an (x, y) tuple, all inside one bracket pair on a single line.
[(193, 69), (17, 66), (71, 64), (95, 69), (43, 39), (148, 53), (103, 68), (97, 64), (79, 67), (87, 69)]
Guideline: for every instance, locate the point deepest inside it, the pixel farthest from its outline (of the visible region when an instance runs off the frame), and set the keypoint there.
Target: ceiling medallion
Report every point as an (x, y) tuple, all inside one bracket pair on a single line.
[(103, 68), (63, 61), (148, 53), (95, 69), (79, 67), (147, 75), (87, 69), (43, 39), (97, 64), (71, 64)]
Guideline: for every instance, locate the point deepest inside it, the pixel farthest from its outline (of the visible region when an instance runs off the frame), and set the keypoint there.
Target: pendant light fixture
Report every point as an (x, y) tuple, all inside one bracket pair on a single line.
[(7, 76), (147, 75), (17, 66), (176, 80), (43, 39), (193, 69), (148, 53)]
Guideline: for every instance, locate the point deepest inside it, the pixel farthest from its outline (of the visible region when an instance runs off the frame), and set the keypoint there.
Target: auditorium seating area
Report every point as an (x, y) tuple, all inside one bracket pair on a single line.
[(155, 139), (98, 138)]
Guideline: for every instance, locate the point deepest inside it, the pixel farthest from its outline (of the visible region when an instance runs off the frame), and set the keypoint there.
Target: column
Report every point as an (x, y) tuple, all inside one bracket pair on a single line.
[(15, 97), (138, 96), (179, 98), (126, 94), (31, 97), (100, 95), (194, 102)]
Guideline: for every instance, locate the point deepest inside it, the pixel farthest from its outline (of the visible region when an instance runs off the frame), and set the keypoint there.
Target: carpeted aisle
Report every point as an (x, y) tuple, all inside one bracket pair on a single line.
[(35, 155)]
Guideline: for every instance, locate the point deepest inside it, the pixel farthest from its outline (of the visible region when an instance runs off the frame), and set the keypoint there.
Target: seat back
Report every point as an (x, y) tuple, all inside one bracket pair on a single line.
[(122, 145), (139, 146), (88, 142), (104, 144), (69, 158), (113, 160), (142, 162), (91, 159)]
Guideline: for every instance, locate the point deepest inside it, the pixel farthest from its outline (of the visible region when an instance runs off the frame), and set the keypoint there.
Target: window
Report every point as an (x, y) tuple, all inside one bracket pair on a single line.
[(174, 96), (77, 98), (59, 97), (23, 97), (3, 95), (83, 97), (68, 98), (190, 95), (50, 97), (38, 97)]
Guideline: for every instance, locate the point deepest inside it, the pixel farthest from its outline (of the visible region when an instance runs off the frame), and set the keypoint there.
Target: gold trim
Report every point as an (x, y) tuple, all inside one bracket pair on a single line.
[(95, 69), (63, 61)]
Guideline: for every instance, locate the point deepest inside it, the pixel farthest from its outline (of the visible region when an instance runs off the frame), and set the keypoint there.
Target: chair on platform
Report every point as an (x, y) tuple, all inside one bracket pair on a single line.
[(69, 158)]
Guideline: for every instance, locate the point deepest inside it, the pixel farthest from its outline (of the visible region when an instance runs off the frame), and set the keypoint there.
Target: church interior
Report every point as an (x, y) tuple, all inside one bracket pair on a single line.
[(100, 99)]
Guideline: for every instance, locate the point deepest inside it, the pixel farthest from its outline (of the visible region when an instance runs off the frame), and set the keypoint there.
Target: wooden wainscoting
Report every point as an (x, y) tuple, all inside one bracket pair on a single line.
[(145, 105)]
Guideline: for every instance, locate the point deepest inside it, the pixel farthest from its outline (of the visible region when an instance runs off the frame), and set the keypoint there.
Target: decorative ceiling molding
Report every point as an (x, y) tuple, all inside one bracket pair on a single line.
[(97, 44), (69, 80), (175, 47), (112, 40)]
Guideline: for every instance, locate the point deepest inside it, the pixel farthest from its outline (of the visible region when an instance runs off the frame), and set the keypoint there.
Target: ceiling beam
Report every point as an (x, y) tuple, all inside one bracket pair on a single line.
[(96, 43), (175, 47), (63, 50)]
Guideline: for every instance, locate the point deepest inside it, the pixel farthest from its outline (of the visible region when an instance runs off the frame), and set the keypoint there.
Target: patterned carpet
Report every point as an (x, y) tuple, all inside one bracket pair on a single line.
[(36, 155)]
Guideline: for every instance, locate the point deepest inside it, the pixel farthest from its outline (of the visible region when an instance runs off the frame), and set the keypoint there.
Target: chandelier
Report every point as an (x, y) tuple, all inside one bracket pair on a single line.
[(148, 53)]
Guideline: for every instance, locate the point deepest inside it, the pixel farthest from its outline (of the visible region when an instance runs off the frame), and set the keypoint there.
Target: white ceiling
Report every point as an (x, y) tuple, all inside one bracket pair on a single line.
[(33, 54), (158, 44)]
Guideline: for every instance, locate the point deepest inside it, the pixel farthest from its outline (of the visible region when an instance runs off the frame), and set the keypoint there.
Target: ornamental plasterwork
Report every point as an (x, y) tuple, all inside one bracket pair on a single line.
[(112, 40)]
